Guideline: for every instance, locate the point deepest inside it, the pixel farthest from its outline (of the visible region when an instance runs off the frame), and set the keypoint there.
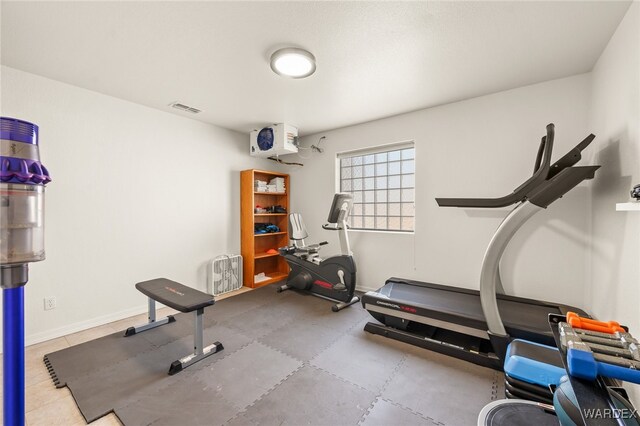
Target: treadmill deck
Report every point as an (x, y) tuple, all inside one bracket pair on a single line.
[(524, 318)]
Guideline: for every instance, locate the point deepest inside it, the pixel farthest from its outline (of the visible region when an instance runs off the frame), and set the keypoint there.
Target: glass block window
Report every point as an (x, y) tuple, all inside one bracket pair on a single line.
[(382, 182)]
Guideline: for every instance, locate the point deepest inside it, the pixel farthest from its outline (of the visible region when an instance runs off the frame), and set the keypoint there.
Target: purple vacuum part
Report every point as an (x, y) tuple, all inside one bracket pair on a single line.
[(19, 164), (19, 159)]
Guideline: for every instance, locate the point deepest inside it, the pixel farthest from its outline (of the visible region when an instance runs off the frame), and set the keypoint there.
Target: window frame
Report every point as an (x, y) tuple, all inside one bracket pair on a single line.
[(381, 149)]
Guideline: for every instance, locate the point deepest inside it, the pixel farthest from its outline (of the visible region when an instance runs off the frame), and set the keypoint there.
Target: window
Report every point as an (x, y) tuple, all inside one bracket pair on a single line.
[(382, 182)]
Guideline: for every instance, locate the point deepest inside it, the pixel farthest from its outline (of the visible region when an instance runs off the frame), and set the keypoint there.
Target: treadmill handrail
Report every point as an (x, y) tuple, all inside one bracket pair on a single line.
[(519, 194), (571, 157), (539, 155), (560, 184), (546, 194), (488, 295)]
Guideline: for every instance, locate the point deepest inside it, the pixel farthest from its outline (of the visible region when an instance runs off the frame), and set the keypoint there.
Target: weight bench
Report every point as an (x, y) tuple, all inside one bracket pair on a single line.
[(183, 299)]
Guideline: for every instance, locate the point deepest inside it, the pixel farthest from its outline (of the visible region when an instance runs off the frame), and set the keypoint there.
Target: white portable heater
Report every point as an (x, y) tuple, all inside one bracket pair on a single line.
[(224, 274)]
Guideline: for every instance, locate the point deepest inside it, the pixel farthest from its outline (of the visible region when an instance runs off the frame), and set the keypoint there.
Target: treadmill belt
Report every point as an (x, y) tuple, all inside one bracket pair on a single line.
[(519, 315), (524, 315)]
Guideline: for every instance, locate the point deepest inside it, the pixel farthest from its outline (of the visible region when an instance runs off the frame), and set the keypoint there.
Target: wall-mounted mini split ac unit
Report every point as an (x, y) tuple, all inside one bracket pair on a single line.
[(278, 139)]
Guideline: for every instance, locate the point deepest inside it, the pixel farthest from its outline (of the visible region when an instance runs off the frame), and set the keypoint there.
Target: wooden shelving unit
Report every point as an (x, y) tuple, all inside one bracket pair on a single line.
[(263, 255), (254, 246), (271, 234)]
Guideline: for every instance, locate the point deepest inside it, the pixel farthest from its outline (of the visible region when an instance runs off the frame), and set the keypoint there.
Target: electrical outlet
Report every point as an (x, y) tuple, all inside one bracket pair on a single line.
[(49, 303)]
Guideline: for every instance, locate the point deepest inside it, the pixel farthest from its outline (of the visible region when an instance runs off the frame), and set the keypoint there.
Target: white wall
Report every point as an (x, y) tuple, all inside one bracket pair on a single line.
[(136, 194), (481, 147), (615, 117)]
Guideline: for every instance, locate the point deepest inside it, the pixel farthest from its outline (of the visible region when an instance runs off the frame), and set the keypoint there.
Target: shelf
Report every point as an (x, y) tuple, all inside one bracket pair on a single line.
[(254, 246), (264, 255), (269, 233), (278, 276), (628, 207), (270, 173)]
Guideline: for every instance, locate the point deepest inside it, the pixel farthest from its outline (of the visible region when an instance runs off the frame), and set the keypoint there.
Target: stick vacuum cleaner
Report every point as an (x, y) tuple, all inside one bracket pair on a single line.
[(22, 181)]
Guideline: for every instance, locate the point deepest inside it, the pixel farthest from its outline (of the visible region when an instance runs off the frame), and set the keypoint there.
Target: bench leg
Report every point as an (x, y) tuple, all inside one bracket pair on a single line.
[(152, 310), (199, 352), (198, 332), (153, 323)]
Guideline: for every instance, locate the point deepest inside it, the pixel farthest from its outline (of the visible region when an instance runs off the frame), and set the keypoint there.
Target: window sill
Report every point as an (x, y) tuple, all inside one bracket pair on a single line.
[(379, 231)]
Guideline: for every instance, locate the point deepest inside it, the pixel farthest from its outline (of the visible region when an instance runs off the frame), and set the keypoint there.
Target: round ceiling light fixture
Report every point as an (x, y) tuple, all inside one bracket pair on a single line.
[(293, 62)]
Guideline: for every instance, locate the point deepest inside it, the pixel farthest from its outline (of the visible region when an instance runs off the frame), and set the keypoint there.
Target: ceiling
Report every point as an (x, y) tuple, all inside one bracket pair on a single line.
[(375, 59)]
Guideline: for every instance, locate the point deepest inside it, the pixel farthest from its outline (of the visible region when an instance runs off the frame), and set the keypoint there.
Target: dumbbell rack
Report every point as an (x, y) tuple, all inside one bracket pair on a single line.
[(595, 353), (591, 394)]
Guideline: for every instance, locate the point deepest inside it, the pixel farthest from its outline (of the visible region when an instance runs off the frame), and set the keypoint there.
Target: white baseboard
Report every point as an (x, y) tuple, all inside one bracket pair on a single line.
[(84, 325), (365, 289)]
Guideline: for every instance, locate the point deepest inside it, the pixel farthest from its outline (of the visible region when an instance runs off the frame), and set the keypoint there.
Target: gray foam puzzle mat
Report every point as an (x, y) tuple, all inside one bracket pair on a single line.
[(385, 413), (288, 360)]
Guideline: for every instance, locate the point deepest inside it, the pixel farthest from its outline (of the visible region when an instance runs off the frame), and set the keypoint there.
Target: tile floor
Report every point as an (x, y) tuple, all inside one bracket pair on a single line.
[(46, 405)]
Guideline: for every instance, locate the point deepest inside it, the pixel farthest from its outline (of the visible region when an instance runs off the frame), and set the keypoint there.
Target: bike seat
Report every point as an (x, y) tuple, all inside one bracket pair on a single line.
[(298, 250), (314, 248)]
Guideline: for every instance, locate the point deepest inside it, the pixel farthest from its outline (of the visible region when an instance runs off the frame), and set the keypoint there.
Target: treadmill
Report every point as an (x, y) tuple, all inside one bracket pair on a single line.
[(476, 325)]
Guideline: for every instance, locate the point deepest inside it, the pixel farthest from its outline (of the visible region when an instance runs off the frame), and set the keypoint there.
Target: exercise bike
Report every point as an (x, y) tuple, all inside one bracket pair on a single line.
[(333, 278)]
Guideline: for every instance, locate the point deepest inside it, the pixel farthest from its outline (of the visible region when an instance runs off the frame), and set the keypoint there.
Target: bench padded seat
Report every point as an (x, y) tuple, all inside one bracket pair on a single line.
[(175, 295)]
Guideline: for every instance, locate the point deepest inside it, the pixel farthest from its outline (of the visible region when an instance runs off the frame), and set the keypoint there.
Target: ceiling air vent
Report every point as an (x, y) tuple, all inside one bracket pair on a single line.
[(183, 107)]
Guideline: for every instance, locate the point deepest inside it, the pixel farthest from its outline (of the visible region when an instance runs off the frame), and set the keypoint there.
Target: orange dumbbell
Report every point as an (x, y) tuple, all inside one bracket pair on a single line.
[(609, 327)]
